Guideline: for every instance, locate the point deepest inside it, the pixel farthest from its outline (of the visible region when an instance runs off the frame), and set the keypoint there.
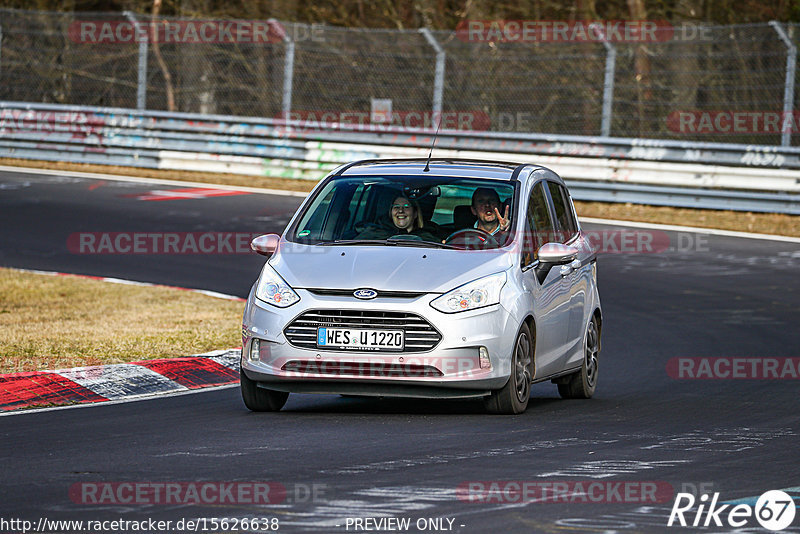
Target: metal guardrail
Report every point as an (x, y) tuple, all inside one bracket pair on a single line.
[(682, 174)]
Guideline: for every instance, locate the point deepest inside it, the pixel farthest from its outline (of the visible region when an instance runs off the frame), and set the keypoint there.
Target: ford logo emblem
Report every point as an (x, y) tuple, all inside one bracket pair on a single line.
[(365, 294)]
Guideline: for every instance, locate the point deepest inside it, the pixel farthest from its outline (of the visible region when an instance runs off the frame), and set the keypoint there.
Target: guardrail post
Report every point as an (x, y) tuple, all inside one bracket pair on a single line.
[(288, 67), (141, 85), (438, 79), (608, 83), (788, 88)]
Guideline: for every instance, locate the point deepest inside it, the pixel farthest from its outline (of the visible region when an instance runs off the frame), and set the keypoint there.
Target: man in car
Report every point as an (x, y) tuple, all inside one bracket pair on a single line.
[(486, 207)]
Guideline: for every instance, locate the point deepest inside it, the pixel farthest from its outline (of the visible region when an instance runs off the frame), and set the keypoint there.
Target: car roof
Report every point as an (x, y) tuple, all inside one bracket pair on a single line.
[(457, 167)]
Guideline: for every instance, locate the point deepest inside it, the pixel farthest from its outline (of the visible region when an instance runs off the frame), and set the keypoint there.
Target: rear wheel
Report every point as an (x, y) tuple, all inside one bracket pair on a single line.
[(513, 397), (260, 399), (582, 384)]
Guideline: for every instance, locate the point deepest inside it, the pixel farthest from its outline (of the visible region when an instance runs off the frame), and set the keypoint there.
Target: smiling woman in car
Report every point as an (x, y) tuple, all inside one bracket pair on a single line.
[(405, 217)]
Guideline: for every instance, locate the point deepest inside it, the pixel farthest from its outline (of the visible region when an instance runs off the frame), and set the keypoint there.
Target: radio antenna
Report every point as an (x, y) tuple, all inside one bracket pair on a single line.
[(436, 135)]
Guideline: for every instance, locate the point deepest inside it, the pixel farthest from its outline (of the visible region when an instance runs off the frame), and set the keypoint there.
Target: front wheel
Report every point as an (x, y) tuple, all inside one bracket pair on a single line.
[(513, 397), (259, 399), (582, 384)]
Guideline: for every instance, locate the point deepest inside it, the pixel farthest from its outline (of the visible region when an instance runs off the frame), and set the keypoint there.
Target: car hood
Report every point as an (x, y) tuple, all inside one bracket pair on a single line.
[(387, 268)]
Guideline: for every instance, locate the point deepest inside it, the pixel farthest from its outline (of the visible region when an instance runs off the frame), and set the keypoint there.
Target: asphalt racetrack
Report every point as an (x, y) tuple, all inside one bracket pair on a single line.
[(443, 466)]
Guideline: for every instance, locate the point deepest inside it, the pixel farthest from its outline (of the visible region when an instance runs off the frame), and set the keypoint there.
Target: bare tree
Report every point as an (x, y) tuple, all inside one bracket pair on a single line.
[(644, 91), (161, 63)]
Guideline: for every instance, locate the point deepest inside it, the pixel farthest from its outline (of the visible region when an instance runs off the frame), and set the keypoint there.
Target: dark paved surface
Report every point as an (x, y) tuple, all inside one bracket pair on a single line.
[(718, 296)]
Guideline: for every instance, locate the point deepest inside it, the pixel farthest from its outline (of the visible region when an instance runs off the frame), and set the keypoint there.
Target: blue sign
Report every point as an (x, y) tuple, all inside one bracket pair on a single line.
[(322, 335)]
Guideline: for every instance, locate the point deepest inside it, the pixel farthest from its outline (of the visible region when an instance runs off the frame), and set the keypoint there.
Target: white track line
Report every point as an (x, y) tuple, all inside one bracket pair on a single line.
[(122, 281), (694, 229), (154, 181)]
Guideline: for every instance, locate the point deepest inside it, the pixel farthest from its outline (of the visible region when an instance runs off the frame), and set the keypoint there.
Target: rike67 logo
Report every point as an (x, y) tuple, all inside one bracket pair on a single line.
[(774, 510)]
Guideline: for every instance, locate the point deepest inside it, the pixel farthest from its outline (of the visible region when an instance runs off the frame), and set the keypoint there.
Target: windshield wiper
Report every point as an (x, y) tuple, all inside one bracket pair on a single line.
[(345, 242), (418, 243), (386, 242)]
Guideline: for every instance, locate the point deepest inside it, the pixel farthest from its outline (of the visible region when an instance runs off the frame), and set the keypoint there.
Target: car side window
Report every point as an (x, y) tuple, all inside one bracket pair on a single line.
[(539, 227), (313, 220), (567, 225)]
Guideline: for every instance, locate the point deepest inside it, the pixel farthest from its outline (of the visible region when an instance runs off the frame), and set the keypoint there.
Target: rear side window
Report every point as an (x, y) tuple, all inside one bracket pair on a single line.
[(540, 228), (567, 225)]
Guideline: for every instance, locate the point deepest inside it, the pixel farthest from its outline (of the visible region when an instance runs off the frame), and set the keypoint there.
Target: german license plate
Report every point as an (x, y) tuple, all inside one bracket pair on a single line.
[(359, 338)]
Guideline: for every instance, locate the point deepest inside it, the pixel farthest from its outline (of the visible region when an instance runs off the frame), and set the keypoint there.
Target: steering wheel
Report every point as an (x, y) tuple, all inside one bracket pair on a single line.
[(472, 237), (406, 236), (360, 226)]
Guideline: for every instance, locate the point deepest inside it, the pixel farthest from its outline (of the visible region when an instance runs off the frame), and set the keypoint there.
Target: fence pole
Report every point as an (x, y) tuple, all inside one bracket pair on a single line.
[(288, 66), (608, 82), (788, 88), (141, 85), (1, 45), (438, 80)]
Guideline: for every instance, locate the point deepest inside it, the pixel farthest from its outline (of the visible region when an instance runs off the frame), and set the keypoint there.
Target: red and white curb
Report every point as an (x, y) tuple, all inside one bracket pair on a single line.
[(100, 383), (124, 381)]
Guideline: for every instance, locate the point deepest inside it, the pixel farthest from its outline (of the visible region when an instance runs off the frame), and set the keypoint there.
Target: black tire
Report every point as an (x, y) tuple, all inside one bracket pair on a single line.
[(513, 397), (583, 384), (259, 399)]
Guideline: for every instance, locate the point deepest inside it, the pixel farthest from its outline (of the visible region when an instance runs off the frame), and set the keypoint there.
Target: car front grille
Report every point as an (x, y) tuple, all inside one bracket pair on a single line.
[(420, 335), (379, 294)]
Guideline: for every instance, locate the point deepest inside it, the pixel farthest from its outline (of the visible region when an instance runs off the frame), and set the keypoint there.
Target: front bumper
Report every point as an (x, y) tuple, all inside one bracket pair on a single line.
[(451, 369)]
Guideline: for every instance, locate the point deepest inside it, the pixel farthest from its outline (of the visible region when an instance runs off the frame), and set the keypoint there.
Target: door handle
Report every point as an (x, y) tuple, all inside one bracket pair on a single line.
[(574, 265)]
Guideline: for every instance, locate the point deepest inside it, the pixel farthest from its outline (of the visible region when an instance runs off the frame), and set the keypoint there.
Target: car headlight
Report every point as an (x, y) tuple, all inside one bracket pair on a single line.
[(273, 290), (476, 294)]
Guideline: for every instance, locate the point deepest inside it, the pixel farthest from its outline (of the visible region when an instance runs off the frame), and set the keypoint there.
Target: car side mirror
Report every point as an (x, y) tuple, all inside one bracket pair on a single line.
[(552, 254), (557, 254), (265, 244)]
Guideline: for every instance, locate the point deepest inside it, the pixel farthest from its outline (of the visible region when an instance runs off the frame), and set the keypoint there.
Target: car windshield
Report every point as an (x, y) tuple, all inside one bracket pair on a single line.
[(441, 212)]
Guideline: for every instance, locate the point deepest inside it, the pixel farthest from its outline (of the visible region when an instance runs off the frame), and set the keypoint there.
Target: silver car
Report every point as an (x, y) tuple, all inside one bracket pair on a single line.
[(447, 278)]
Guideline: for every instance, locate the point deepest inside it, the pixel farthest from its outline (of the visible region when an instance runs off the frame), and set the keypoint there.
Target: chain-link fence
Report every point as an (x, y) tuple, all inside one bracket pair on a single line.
[(712, 83)]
